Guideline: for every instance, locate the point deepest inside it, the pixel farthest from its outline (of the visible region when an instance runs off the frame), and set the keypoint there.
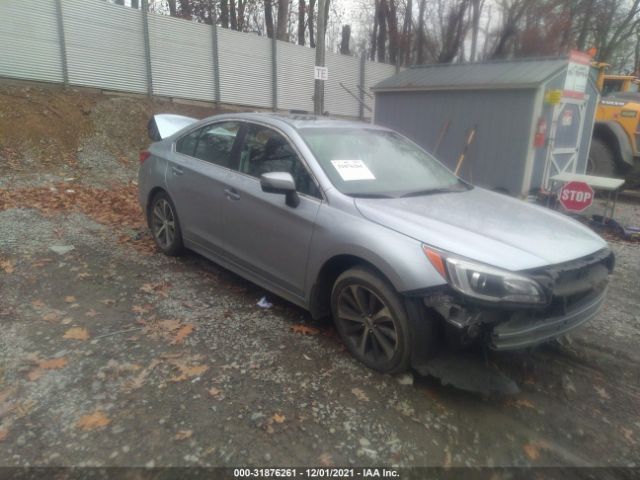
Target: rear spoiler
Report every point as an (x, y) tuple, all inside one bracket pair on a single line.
[(164, 125)]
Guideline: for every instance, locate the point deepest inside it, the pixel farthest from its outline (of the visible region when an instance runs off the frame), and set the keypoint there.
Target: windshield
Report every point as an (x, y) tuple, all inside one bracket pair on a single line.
[(365, 162)]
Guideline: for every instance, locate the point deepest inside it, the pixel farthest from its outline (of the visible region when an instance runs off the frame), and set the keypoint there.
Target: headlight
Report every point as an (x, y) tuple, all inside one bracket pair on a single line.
[(485, 282)]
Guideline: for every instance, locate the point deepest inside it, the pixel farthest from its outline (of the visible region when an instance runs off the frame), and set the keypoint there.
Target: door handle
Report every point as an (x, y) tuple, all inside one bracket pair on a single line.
[(177, 170), (232, 194)]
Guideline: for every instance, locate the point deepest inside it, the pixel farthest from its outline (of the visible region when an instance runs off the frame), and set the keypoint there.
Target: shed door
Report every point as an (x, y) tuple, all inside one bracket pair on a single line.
[(564, 137)]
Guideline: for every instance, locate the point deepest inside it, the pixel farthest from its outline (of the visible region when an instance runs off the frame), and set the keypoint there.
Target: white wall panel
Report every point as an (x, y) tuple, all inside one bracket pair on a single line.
[(181, 58), (245, 68), (105, 45), (29, 46), (295, 77), (346, 70)]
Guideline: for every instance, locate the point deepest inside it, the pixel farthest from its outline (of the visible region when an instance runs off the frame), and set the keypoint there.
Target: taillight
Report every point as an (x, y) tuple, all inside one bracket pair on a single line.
[(144, 154)]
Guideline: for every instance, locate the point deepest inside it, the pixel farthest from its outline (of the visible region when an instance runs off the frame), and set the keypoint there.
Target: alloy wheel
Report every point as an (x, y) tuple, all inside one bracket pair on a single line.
[(164, 223), (368, 323)]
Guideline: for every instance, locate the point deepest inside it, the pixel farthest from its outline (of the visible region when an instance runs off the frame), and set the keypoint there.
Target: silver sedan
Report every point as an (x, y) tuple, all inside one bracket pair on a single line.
[(355, 221)]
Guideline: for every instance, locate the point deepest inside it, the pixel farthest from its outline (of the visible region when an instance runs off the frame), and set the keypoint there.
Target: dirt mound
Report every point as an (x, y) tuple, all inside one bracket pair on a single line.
[(76, 132)]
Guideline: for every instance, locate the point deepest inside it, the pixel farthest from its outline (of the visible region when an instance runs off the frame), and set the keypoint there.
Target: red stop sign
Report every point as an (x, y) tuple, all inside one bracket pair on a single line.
[(576, 196)]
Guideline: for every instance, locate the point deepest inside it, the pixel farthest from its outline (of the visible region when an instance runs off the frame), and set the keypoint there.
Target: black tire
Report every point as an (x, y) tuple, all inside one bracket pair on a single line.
[(164, 224), (371, 320), (601, 161)]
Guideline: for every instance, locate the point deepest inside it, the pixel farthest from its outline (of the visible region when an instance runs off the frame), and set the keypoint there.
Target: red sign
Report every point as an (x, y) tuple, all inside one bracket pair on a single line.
[(576, 196)]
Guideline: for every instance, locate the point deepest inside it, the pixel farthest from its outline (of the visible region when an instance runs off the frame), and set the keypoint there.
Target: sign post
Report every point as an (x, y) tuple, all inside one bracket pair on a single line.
[(576, 196)]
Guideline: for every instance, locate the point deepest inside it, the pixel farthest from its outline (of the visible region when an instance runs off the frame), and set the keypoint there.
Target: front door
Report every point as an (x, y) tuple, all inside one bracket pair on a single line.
[(262, 233), (565, 136)]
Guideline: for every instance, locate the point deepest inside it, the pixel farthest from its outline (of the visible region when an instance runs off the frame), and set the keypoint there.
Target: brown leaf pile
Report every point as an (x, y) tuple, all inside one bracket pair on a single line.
[(116, 206), (52, 364), (93, 421), (304, 329)]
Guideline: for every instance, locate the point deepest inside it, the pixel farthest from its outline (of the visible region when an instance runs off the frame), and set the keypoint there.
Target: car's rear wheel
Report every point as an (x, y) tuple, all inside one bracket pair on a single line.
[(371, 320), (601, 160), (164, 224)]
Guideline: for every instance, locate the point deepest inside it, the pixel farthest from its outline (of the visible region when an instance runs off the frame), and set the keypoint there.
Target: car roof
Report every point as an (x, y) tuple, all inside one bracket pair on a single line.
[(298, 120)]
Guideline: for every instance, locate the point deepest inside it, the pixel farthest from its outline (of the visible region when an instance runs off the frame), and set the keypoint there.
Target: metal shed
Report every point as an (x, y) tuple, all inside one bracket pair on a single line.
[(530, 119)]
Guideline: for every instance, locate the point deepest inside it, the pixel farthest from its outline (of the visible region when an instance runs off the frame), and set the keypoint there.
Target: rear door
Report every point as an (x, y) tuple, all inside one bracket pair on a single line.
[(196, 179), (263, 234)]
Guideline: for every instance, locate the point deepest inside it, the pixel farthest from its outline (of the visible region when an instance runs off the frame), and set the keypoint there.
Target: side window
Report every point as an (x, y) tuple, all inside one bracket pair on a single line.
[(215, 143), (187, 144), (265, 150)]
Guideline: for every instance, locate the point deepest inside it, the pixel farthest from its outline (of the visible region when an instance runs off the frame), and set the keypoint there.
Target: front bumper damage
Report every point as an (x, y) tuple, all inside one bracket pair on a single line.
[(576, 293)]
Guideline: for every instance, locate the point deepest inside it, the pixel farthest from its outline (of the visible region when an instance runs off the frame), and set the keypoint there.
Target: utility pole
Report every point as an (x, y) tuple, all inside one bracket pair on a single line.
[(318, 97)]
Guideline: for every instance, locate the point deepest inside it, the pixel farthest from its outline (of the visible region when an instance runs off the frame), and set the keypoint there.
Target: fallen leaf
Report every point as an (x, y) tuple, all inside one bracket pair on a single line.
[(602, 393), (187, 371), (278, 418), (91, 313), (53, 364), (521, 402), (182, 333), (70, 299), (360, 395), (108, 301), (138, 381), (76, 333), (3, 434), (51, 317), (6, 265), (37, 303), (628, 435), (183, 434), (215, 392), (531, 450), (325, 460), (304, 329), (140, 309), (35, 374), (93, 421), (169, 325)]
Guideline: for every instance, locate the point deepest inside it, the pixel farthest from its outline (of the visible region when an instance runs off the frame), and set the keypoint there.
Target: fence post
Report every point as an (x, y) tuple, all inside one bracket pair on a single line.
[(216, 63), (147, 46), (274, 74), (63, 44), (361, 92)]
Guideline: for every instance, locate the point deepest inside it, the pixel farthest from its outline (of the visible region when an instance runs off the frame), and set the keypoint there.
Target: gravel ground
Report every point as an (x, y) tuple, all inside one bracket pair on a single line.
[(114, 357)]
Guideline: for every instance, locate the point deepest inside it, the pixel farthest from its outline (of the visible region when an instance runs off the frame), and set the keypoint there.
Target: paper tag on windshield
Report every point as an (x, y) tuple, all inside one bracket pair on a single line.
[(352, 170)]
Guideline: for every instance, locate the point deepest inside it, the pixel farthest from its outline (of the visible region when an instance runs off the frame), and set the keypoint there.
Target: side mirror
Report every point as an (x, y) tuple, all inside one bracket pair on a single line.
[(282, 183)]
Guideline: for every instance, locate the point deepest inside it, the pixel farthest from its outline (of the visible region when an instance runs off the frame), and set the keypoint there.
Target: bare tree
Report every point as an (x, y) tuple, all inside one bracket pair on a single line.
[(233, 19), (346, 38), (476, 10), (301, 21), (420, 37), (173, 11), (224, 13), (311, 16), (268, 18), (283, 14)]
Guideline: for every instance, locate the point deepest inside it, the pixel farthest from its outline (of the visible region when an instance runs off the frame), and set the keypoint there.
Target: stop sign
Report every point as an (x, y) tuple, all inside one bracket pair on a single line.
[(576, 196)]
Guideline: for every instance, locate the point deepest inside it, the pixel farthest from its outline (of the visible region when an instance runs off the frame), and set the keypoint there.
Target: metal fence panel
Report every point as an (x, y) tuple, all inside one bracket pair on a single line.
[(181, 58), (295, 77), (105, 45), (346, 70), (373, 74), (29, 46), (245, 68)]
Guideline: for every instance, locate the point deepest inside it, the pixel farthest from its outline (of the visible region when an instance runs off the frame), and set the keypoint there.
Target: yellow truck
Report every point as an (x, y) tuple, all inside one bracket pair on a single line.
[(615, 146)]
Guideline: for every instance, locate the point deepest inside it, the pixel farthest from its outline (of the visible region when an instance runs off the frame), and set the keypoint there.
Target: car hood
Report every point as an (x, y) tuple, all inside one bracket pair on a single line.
[(485, 226)]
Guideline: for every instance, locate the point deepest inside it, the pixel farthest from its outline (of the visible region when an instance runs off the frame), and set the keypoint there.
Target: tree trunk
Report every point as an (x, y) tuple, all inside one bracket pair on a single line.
[(241, 5), (326, 14), (172, 8), (119, 2), (382, 30), (344, 42), (392, 21), (268, 17), (374, 32), (232, 14), (301, 26), (476, 10), (283, 16), (405, 45), (581, 42), (135, 4), (312, 38), (420, 34), (185, 9), (224, 13)]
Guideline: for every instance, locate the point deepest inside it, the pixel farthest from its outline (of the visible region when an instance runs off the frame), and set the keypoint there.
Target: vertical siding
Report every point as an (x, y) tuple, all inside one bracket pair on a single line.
[(181, 58), (295, 77), (29, 45), (245, 68), (345, 69), (105, 45), (496, 158)]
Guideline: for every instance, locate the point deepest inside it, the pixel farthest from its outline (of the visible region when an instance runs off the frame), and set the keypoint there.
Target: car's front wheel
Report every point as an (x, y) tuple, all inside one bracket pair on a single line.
[(164, 225), (371, 320)]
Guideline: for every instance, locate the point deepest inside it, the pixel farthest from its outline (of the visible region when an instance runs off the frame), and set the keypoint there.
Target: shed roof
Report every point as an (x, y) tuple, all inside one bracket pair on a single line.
[(503, 74)]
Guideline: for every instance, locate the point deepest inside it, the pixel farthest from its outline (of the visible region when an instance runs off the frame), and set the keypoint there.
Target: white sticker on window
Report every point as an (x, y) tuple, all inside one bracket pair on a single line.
[(352, 170)]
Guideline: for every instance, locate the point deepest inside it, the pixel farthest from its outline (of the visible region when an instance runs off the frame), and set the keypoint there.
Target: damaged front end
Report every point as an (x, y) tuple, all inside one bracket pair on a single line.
[(572, 294)]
